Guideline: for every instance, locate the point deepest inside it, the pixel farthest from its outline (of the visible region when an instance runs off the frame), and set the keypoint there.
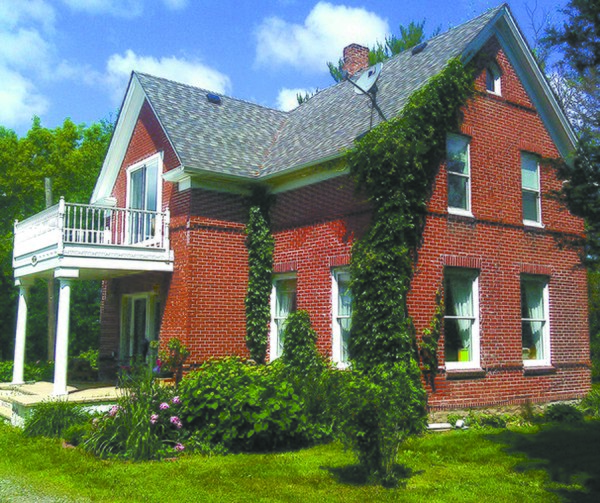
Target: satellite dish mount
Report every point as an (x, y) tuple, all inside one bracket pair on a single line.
[(366, 85)]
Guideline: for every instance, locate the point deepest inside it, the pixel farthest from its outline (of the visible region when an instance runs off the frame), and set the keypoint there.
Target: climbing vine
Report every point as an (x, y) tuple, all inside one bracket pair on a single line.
[(261, 245), (395, 165), (429, 341)]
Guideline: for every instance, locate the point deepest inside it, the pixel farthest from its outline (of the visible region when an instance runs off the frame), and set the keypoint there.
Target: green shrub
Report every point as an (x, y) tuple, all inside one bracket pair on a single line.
[(377, 412), (52, 418), (300, 351), (90, 356), (241, 407), (145, 423), (38, 371), (172, 359), (487, 420), (563, 413), (590, 405)]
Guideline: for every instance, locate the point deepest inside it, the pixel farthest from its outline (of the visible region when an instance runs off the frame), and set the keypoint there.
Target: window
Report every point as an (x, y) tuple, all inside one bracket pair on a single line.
[(530, 176), (492, 79), (283, 302), (459, 172), (534, 320), (143, 193), (342, 316), (461, 321)]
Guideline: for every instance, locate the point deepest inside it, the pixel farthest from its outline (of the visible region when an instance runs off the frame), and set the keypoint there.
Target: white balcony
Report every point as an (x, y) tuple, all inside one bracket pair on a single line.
[(99, 241)]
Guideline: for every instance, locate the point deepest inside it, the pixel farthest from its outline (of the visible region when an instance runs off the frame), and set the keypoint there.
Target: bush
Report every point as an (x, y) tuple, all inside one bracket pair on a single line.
[(145, 424), (377, 412), (590, 405), (52, 418), (300, 351), (241, 407), (38, 371), (563, 413)]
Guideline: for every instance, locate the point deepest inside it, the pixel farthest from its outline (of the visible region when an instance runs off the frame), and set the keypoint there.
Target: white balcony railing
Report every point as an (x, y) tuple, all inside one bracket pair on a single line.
[(69, 223)]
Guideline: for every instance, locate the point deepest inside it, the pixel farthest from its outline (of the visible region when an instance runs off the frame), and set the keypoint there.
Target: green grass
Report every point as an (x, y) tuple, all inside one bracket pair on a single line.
[(549, 464)]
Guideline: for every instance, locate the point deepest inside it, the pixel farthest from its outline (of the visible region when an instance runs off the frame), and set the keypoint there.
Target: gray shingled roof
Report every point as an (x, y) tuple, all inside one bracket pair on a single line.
[(244, 139)]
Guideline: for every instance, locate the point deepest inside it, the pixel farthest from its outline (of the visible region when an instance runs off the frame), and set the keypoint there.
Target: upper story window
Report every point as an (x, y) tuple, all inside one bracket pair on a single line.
[(492, 79), (530, 183), (283, 302), (535, 335), (144, 193), (342, 316), (459, 174), (461, 321)]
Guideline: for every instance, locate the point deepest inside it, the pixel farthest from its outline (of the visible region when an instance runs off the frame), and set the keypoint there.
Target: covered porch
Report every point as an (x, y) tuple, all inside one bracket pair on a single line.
[(69, 242)]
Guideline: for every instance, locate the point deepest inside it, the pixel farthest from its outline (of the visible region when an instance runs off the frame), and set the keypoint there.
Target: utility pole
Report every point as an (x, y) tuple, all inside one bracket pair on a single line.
[(51, 282)]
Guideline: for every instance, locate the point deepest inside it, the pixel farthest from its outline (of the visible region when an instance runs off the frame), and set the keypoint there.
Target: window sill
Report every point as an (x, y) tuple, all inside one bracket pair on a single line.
[(536, 370), (460, 213), (533, 225), (472, 373)]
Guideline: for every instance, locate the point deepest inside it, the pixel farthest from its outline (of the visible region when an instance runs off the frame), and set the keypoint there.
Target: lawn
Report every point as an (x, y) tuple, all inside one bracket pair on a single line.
[(554, 463)]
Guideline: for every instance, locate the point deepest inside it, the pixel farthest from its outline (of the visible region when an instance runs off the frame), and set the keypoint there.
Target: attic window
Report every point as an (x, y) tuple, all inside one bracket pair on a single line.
[(213, 98), (492, 79)]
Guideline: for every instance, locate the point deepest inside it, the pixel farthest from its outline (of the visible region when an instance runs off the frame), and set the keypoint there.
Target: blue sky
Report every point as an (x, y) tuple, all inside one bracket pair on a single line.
[(72, 58)]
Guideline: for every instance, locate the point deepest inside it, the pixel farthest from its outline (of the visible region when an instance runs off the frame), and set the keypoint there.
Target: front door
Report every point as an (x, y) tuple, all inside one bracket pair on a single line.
[(138, 327)]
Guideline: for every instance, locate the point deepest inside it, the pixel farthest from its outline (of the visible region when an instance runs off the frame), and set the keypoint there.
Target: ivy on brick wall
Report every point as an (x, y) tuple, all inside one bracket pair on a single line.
[(395, 165), (261, 245)]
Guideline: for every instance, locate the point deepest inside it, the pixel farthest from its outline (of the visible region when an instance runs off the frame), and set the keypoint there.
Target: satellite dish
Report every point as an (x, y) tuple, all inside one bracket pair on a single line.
[(367, 80)]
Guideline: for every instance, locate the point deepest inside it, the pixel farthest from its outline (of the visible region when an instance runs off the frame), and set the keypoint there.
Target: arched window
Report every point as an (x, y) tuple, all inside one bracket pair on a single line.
[(492, 78)]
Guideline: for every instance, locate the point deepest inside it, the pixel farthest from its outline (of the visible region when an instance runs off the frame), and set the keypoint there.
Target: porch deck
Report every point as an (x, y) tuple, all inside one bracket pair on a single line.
[(17, 400)]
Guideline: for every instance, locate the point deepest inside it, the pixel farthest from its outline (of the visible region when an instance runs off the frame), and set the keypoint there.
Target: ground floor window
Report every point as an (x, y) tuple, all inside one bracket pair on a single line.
[(534, 320), (461, 320), (283, 302), (342, 316), (140, 316)]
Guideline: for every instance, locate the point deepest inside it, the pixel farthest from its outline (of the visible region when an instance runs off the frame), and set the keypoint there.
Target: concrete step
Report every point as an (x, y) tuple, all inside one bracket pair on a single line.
[(6, 412)]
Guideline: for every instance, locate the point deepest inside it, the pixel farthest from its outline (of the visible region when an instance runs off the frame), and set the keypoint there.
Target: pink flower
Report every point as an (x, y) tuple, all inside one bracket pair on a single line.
[(163, 406), (176, 422), (153, 418), (113, 410), (176, 400), (179, 447)]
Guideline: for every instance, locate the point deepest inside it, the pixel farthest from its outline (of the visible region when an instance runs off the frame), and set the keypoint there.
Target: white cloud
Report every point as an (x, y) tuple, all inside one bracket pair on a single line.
[(119, 67), (26, 54), (118, 8), (287, 98), (19, 99), (326, 31), (15, 12)]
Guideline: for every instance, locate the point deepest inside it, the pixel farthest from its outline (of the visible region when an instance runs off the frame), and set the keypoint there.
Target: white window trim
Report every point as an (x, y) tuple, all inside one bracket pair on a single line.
[(451, 209), (158, 158), (547, 361), (532, 223), (495, 70), (475, 363), (335, 327), (273, 339)]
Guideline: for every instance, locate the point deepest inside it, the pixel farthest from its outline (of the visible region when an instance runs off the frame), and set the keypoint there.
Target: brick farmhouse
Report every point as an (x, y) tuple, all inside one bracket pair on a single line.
[(495, 240)]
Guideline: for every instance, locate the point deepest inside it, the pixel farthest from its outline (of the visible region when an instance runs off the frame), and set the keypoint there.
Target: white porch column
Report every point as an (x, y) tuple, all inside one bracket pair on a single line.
[(65, 277), (19, 362)]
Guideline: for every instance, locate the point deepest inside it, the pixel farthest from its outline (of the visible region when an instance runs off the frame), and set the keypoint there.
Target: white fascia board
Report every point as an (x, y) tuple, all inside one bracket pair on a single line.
[(130, 110)]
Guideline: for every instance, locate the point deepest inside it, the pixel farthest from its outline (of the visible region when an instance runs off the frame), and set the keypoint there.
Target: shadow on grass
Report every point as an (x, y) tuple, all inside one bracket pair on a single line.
[(356, 475), (570, 454)]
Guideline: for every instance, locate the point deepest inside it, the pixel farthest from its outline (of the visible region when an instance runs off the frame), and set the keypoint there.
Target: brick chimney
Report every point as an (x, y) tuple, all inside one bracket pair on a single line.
[(356, 58)]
